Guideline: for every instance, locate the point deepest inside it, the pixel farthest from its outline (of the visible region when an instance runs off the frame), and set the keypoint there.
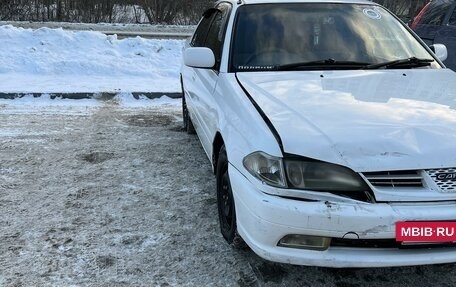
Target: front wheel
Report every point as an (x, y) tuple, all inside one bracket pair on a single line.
[(188, 125), (225, 202)]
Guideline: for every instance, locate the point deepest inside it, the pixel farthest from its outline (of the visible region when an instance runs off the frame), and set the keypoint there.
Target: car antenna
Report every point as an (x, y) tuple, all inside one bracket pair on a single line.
[(239, 2)]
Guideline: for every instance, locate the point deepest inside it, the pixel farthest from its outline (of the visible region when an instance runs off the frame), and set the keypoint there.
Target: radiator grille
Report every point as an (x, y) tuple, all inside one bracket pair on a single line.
[(445, 178), (407, 178)]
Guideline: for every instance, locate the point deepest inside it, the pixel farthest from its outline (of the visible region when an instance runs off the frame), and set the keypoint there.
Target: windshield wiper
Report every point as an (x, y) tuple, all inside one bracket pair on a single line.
[(412, 62), (327, 63)]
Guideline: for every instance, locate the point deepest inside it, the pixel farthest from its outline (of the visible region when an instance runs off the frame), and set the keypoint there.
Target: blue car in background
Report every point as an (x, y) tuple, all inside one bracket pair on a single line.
[(436, 24)]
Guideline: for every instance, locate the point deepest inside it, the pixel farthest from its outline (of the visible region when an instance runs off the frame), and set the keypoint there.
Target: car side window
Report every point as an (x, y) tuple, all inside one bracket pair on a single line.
[(213, 40), (436, 14), (200, 35), (216, 34)]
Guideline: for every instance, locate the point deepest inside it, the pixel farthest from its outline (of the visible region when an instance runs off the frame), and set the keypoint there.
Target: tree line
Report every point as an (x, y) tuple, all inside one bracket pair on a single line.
[(107, 11), (140, 11)]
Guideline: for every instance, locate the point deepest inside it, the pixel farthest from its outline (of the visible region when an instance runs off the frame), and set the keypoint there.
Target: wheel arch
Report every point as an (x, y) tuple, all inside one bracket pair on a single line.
[(217, 144)]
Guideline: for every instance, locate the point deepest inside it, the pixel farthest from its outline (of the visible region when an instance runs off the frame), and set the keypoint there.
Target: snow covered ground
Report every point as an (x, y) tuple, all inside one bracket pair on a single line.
[(113, 193), (61, 61)]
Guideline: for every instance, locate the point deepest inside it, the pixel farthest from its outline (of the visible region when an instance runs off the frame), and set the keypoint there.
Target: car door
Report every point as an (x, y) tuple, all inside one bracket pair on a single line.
[(201, 83), (447, 36)]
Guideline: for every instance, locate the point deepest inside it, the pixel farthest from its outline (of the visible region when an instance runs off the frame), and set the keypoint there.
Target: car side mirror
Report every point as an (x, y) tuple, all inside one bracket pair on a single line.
[(199, 57), (440, 51)]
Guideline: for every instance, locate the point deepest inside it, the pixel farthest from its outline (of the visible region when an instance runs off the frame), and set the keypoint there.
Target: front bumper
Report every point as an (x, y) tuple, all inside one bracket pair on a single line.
[(263, 220)]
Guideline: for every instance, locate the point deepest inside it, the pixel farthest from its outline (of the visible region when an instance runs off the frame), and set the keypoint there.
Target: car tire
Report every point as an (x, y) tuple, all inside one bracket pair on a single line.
[(188, 125), (225, 203)]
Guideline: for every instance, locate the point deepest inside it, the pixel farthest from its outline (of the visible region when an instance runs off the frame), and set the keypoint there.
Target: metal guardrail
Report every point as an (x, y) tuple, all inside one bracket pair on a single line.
[(122, 31), (98, 96), (150, 35)]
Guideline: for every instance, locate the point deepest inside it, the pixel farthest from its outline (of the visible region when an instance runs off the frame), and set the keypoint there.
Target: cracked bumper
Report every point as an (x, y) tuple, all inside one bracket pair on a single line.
[(264, 219)]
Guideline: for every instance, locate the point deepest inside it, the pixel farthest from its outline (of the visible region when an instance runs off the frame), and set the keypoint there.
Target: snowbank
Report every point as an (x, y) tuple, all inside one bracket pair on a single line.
[(60, 61)]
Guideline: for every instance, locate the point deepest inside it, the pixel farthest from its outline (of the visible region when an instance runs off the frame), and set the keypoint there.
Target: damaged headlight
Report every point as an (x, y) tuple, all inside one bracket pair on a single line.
[(302, 174), (320, 176), (267, 168)]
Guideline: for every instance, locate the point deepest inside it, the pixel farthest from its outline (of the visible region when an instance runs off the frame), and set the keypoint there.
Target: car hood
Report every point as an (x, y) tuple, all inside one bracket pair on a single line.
[(367, 120)]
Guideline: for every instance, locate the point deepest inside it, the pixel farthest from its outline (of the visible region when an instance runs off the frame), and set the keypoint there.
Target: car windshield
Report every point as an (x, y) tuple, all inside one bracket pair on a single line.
[(321, 36)]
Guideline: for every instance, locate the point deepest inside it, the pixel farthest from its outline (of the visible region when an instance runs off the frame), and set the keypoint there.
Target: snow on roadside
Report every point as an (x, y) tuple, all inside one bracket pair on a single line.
[(45, 104), (56, 60), (128, 101), (45, 100), (125, 27)]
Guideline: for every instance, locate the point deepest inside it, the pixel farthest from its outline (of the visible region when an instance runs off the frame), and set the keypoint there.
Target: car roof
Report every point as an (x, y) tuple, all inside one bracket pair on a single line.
[(296, 1)]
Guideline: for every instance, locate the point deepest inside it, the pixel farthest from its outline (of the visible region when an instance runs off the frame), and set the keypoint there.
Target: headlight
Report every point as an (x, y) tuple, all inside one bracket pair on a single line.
[(302, 174), (321, 176), (268, 169)]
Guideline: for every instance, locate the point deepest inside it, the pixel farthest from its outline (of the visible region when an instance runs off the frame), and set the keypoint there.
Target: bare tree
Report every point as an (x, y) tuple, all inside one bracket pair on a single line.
[(193, 10), (176, 11), (161, 11), (157, 11), (10, 9)]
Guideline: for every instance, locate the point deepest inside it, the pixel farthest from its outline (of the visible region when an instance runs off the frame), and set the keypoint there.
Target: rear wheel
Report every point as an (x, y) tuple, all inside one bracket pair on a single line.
[(225, 202), (188, 125)]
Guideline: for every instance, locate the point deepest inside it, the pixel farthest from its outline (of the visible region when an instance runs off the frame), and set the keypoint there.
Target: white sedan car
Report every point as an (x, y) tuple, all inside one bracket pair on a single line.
[(331, 129)]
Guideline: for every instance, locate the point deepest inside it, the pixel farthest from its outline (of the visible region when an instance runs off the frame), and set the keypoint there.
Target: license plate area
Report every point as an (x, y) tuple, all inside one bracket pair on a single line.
[(411, 233)]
